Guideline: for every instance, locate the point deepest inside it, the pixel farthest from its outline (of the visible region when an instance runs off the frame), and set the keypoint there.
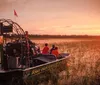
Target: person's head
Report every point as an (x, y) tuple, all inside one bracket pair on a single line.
[(56, 48), (53, 46), (46, 44)]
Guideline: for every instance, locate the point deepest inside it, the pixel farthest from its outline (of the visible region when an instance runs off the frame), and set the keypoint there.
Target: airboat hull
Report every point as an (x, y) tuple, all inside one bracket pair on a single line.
[(34, 75)]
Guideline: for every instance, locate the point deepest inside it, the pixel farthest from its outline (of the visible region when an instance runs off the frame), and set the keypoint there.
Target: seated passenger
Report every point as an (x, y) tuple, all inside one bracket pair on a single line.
[(37, 49), (55, 52), (45, 49), (53, 48)]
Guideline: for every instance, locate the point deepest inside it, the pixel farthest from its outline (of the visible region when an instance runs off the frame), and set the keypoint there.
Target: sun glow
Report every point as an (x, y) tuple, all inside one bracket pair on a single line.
[(54, 16)]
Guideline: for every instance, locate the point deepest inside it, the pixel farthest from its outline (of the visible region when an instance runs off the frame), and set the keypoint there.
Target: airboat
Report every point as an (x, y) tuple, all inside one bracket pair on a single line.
[(19, 64)]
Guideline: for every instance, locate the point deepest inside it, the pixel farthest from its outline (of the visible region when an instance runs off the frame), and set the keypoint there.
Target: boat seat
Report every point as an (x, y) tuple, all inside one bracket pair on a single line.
[(46, 57), (41, 59)]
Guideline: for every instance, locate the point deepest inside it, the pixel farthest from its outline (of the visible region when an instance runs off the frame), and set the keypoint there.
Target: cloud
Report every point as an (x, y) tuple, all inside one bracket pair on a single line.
[(6, 4), (53, 14), (3, 4), (76, 5)]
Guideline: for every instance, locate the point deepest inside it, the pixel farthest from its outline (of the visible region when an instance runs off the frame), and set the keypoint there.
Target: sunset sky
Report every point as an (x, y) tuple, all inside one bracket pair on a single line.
[(65, 17)]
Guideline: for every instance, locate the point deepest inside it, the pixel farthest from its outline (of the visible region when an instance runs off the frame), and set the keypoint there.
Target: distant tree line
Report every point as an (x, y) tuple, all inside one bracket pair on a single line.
[(62, 36), (53, 36)]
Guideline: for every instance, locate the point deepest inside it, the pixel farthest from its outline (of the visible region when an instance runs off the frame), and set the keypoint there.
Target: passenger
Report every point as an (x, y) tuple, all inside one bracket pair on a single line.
[(53, 48), (37, 48), (55, 52), (45, 49)]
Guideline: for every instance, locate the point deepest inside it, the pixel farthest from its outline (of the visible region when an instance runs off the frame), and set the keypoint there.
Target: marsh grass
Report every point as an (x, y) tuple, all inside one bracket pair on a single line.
[(84, 62)]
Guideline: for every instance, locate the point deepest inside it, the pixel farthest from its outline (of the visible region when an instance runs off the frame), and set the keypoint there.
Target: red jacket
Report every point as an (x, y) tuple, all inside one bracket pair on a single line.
[(55, 52), (45, 50)]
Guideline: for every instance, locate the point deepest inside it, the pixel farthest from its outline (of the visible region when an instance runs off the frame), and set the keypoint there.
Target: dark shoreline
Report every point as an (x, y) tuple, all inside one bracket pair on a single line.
[(62, 36)]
